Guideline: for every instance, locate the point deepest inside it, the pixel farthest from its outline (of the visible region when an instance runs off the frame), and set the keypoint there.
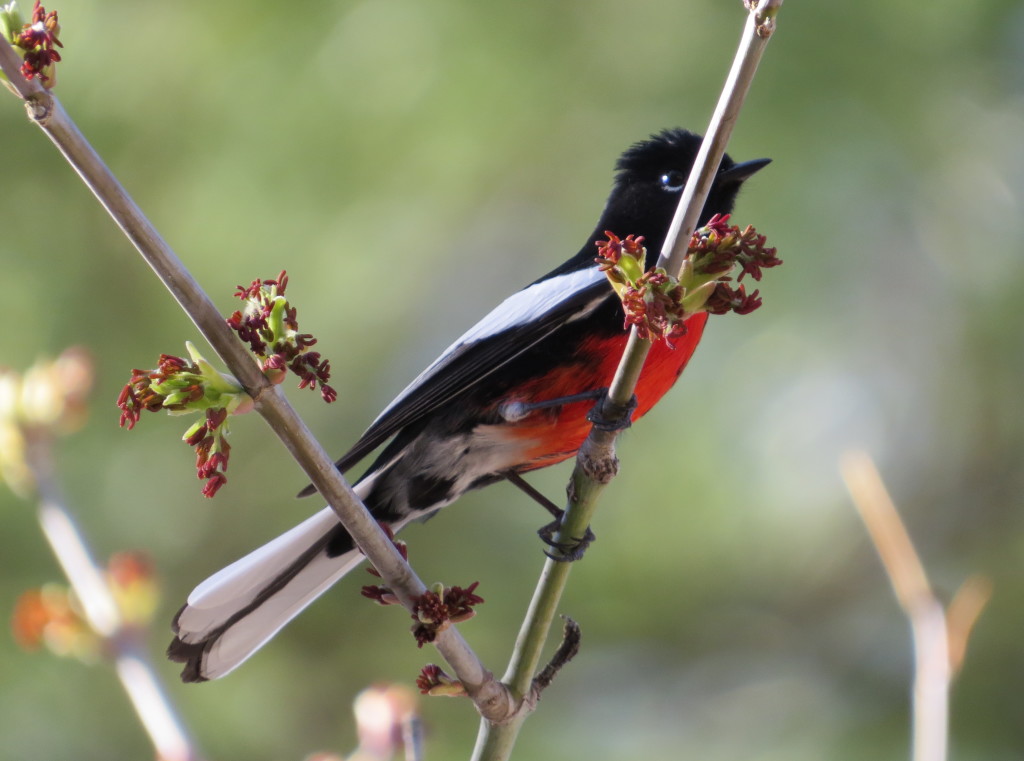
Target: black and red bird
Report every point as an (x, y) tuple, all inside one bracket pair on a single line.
[(475, 416)]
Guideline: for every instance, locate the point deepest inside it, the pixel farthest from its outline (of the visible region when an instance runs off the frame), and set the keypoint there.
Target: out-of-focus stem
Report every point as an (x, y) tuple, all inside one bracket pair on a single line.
[(158, 717), (935, 660)]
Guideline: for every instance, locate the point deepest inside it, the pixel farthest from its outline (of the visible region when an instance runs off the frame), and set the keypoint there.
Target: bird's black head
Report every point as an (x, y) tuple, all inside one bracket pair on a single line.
[(650, 179)]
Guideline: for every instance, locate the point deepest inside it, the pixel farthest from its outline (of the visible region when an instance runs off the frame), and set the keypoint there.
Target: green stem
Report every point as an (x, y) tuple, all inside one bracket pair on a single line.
[(582, 504), (495, 742), (596, 463)]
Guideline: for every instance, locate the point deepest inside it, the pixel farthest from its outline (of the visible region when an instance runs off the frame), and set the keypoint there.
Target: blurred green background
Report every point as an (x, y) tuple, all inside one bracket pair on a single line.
[(386, 151)]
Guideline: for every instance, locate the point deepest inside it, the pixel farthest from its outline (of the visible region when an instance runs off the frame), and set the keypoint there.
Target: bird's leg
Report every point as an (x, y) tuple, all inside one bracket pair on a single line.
[(565, 552), (520, 483), (513, 412), (602, 418)]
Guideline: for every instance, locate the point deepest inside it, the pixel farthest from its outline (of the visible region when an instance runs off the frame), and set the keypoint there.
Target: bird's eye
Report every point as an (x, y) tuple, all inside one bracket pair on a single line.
[(673, 181)]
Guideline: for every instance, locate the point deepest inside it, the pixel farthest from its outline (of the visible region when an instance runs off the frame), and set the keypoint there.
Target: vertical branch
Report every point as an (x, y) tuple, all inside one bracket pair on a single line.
[(156, 714), (596, 463), (936, 658)]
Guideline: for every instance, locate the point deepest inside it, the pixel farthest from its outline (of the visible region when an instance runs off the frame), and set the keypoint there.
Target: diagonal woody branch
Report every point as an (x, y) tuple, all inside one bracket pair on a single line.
[(45, 110)]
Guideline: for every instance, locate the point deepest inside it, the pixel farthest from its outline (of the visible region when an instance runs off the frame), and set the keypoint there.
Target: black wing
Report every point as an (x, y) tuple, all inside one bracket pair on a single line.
[(518, 323)]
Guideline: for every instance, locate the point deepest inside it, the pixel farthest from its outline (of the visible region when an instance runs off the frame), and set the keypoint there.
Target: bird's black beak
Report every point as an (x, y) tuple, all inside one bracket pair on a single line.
[(738, 173)]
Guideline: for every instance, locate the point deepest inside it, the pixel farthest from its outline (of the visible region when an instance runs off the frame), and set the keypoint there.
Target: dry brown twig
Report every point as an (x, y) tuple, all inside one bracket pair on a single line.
[(940, 634)]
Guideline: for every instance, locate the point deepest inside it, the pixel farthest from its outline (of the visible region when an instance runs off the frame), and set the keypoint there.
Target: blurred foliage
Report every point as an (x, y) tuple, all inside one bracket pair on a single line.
[(759, 625)]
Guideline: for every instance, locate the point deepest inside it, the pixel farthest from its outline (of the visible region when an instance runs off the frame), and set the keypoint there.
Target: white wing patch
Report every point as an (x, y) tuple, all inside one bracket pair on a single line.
[(518, 309)]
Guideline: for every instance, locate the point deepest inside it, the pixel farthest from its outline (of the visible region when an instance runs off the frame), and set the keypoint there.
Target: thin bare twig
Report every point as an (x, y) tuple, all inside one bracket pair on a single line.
[(134, 669), (412, 739), (566, 652), (940, 637), (962, 614)]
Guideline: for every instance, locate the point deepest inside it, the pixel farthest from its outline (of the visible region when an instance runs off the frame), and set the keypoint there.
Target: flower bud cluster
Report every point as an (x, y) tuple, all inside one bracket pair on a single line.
[(47, 400), (37, 41), (268, 324), (435, 681), (440, 606), (658, 304), (436, 608), (180, 386), (51, 616)]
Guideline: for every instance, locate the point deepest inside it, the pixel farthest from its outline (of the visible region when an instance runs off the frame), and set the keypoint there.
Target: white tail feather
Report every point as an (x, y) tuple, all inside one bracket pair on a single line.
[(232, 588), (233, 613), (244, 637)]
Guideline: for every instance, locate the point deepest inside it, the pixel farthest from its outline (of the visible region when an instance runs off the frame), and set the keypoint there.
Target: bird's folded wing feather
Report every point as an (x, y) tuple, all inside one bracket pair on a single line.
[(519, 322)]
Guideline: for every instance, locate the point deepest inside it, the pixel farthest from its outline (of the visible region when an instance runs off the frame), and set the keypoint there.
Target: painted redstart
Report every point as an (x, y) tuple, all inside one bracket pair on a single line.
[(511, 395)]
